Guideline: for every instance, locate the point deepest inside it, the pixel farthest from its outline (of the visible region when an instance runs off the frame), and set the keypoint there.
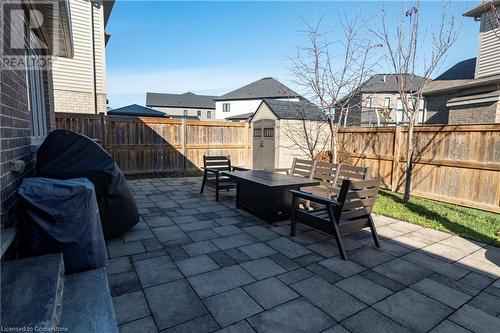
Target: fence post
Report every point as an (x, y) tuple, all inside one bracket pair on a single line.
[(102, 127), (247, 145), (184, 145), (396, 148)]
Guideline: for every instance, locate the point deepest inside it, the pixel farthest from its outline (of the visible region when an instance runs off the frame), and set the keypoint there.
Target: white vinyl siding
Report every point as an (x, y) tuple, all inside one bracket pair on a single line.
[(77, 73), (399, 111), (488, 62), (36, 94)]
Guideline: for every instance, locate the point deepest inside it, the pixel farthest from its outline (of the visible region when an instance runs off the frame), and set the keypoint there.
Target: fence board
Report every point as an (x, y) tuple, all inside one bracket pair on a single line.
[(453, 163)]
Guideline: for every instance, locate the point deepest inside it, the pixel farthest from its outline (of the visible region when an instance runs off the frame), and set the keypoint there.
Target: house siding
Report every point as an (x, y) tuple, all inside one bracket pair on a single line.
[(74, 78), (191, 112), (238, 107), (488, 62), (15, 130)]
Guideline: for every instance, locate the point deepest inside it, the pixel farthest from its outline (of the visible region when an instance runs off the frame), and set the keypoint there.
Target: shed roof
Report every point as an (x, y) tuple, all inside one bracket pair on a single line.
[(302, 110), (243, 116), (186, 100), (264, 88)]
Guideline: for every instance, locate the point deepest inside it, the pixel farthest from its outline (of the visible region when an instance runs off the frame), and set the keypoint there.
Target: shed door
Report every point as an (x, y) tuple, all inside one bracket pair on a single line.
[(264, 147)]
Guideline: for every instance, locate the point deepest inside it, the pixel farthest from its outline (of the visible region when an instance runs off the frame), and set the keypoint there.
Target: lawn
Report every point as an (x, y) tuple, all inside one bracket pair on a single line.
[(466, 222)]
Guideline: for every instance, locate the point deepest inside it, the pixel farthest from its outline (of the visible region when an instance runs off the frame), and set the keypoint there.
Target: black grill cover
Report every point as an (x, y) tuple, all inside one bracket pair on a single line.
[(66, 155), (62, 216)]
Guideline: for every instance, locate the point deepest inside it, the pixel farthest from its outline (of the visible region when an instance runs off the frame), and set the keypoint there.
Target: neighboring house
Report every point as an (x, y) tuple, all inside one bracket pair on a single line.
[(241, 117), (377, 102), (27, 100), (469, 92), (135, 110), (80, 82), (183, 105), (248, 98), (280, 129)]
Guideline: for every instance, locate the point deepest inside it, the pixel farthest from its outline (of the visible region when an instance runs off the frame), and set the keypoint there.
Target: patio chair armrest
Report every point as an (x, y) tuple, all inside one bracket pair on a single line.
[(216, 171), (314, 198), (237, 168)]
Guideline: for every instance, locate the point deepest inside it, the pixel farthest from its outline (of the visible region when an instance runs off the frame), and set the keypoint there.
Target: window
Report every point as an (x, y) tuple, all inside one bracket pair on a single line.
[(209, 114), (226, 107), (387, 102), (421, 111), (368, 103), (198, 113), (36, 94), (399, 111), (268, 132), (257, 132), (185, 113)]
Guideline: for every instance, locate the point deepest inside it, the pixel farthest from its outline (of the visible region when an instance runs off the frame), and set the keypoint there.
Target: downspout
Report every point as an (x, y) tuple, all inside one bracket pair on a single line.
[(93, 54)]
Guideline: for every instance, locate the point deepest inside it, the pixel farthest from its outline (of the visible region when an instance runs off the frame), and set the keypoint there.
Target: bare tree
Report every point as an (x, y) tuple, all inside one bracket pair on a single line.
[(330, 72), (409, 53)]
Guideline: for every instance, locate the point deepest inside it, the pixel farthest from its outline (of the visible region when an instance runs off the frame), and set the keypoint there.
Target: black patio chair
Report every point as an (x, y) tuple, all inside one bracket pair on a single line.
[(349, 212), (213, 166)]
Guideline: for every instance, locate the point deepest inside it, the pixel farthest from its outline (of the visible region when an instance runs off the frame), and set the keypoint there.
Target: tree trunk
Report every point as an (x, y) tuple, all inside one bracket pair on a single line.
[(409, 160), (333, 142)]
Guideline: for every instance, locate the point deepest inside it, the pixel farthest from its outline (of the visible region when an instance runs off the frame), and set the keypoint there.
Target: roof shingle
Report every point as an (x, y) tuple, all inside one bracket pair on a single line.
[(260, 89), (303, 110), (186, 100)]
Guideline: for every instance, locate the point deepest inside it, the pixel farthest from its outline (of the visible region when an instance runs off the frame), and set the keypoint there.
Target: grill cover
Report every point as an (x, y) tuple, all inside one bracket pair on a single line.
[(62, 216), (66, 155)]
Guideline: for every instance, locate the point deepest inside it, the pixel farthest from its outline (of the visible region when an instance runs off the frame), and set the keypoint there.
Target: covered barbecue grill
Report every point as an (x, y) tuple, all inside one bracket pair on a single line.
[(66, 155)]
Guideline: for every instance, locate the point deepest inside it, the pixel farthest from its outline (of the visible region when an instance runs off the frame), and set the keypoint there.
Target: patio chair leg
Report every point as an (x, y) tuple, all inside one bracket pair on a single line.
[(374, 232), (203, 182), (216, 193), (292, 218), (338, 236)]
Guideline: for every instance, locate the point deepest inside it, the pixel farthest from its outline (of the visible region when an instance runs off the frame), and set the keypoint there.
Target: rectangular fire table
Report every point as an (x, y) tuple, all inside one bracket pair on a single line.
[(266, 194)]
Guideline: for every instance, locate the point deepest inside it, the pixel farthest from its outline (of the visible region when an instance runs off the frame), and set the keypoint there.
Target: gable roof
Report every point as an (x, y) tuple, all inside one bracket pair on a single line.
[(302, 110), (186, 100), (380, 83), (483, 7), (463, 70), (136, 111), (260, 89)]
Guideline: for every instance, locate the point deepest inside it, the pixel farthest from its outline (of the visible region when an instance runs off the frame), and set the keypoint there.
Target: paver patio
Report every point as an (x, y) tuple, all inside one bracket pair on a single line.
[(195, 265)]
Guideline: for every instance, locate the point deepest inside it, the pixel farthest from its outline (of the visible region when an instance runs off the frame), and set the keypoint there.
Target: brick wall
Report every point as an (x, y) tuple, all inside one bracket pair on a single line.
[(78, 101), (473, 114), (15, 130)]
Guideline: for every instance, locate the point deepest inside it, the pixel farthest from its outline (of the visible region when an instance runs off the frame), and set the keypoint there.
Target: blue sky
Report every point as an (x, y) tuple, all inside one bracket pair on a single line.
[(215, 47)]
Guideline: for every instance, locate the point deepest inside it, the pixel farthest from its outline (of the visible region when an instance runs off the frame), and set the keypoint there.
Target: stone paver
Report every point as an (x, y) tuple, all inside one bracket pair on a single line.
[(270, 292), (413, 310), (196, 265), (131, 306), (231, 306), (329, 298), (156, 271), (295, 316), (174, 303), (364, 289), (215, 282), (370, 320), (263, 268)]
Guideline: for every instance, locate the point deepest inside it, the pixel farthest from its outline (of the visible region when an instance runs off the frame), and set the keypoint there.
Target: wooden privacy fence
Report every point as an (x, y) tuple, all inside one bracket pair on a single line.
[(145, 145), (453, 163)]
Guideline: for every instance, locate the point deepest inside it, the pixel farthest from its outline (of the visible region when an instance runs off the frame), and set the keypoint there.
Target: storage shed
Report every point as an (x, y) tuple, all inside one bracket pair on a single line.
[(282, 130)]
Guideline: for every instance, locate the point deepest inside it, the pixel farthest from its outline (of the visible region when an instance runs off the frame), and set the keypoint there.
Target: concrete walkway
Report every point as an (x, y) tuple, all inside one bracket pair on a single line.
[(194, 265)]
